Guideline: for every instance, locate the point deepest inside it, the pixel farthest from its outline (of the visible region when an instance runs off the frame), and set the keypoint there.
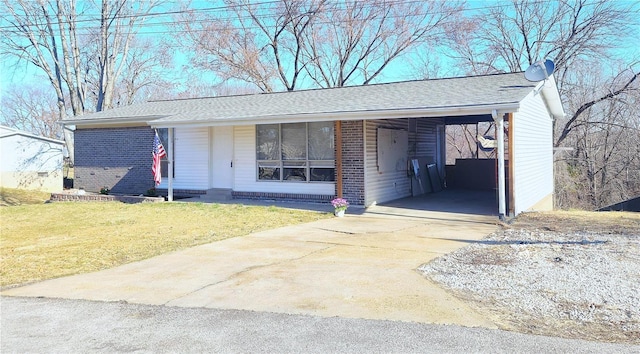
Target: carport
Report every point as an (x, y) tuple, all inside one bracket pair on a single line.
[(517, 177), (468, 185)]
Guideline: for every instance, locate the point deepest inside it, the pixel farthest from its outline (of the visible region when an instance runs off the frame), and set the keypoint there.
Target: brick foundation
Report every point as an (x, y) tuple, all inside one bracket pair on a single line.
[(283, 196), (62, 197)]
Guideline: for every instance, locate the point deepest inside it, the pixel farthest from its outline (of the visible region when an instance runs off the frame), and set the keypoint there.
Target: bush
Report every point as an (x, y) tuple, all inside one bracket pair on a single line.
[(151, 192)]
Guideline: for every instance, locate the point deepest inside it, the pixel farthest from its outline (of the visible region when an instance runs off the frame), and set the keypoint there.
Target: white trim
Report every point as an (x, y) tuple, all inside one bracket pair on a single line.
[(170, 167), (111, 121), (28, 135), (210, 161), (502, 199)]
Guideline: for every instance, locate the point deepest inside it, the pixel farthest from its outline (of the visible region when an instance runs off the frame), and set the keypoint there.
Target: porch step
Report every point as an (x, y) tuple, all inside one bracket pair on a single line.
[(217, 194)]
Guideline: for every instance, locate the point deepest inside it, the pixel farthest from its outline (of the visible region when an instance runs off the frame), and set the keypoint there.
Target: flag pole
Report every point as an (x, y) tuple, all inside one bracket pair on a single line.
[(170, 172)]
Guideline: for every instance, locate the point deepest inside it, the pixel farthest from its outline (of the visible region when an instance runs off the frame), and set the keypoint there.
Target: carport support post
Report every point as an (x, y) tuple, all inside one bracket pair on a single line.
[(502, 205), (338, 147), (170, 165)]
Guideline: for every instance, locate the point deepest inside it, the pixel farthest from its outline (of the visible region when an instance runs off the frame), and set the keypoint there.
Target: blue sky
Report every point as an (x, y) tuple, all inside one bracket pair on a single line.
[(20, 73)]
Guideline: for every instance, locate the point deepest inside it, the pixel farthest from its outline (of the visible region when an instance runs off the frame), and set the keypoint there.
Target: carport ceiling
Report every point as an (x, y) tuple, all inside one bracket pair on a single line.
[(455, 120)]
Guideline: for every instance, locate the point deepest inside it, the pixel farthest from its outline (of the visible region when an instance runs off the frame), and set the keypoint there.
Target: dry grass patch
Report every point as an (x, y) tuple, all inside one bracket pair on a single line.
[(573, 221), (57, 239), (11, 197)]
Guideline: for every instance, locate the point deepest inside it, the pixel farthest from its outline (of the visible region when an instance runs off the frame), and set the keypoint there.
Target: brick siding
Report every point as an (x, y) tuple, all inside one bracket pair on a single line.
[(353, 162), (181, 193), (117, 158)]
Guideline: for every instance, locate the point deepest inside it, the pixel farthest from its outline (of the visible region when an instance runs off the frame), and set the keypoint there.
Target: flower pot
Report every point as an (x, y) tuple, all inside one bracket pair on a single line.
[(339, 213)]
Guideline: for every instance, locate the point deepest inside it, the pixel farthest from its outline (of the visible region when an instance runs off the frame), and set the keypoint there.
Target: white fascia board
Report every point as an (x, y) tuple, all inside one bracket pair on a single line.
[(31, 136), (342, 116), (106, 122)]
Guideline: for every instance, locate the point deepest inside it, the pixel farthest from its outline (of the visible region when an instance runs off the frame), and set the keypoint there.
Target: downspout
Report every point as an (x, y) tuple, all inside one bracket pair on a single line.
[(170, 172), (502, 205)]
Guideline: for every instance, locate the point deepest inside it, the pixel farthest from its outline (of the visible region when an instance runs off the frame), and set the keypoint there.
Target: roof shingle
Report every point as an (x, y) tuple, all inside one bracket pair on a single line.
[(440, 94)]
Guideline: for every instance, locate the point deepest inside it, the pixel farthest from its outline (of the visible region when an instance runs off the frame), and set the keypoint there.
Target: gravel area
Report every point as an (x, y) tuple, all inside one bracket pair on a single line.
[(572, 284)]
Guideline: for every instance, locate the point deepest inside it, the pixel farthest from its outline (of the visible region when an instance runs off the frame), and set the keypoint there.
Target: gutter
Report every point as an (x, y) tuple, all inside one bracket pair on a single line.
[(27, 135), (103, 122)]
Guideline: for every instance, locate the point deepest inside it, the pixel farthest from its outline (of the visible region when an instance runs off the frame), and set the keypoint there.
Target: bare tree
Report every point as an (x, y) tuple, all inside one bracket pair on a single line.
[(57, 38), (625, 82), (31, 109), (605, 138), (582, 37), (353, 42), (509, 38), (282, 44), (259, 44)]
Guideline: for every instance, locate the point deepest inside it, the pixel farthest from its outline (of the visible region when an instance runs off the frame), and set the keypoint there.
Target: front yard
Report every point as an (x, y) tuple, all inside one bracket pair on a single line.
[(42, 241)]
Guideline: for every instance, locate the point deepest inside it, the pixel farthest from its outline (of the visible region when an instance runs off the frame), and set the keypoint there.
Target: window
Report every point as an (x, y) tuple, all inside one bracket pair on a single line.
[(296, 152), (163, 134)]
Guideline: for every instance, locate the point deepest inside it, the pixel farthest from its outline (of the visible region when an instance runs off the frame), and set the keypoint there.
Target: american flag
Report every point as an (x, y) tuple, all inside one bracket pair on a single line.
[(158, 154)]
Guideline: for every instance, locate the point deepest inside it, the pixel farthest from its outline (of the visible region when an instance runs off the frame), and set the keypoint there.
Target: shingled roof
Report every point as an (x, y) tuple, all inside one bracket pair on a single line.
[(438, 97)]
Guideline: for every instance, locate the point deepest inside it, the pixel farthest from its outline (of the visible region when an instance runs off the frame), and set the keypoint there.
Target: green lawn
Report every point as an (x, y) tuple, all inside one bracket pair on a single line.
[(43, 241)]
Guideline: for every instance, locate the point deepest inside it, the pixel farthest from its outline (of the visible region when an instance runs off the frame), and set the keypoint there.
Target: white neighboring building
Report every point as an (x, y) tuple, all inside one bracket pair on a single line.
[(28, 161)]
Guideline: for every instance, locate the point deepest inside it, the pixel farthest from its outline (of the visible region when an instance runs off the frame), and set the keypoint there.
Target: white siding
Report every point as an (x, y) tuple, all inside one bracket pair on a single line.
[(382, 187), (191, 156), (245, 170), (426, 138), (30, 163), (532, 153)]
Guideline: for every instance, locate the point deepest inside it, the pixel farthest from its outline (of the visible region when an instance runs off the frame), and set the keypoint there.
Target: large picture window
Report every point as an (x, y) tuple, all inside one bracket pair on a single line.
[(295, 152)]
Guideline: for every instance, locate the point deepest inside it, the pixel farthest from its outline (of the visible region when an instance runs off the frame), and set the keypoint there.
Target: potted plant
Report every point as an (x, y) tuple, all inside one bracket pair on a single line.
[(340, 205)]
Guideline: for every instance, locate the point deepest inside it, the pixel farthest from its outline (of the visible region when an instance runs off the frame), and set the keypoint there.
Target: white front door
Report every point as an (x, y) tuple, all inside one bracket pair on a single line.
[(222, 157)]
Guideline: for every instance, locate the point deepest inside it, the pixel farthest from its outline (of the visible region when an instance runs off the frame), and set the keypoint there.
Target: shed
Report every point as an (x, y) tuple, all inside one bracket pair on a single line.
[(29, 161), (363, 143)]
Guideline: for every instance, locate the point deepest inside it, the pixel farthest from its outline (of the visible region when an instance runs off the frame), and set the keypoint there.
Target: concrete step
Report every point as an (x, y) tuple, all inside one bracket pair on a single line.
[(217, 194)]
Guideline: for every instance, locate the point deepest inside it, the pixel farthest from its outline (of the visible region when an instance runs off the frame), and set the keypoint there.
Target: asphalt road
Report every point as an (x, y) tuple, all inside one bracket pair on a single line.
[(74, 326)]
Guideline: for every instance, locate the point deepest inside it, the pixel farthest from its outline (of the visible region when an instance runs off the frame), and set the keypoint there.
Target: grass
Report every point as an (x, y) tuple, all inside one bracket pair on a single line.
[(44, 241), (10, 196)]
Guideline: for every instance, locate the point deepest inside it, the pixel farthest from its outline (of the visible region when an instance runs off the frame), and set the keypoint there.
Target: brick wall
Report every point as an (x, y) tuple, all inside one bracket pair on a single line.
[(353, 162), (118, 158)]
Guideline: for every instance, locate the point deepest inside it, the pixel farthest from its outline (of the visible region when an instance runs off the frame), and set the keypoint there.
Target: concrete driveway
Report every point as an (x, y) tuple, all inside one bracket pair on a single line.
[(360, 266)]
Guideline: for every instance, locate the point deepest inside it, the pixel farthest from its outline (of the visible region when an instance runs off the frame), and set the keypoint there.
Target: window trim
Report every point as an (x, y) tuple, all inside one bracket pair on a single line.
[(281, 164), (164, 161)]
